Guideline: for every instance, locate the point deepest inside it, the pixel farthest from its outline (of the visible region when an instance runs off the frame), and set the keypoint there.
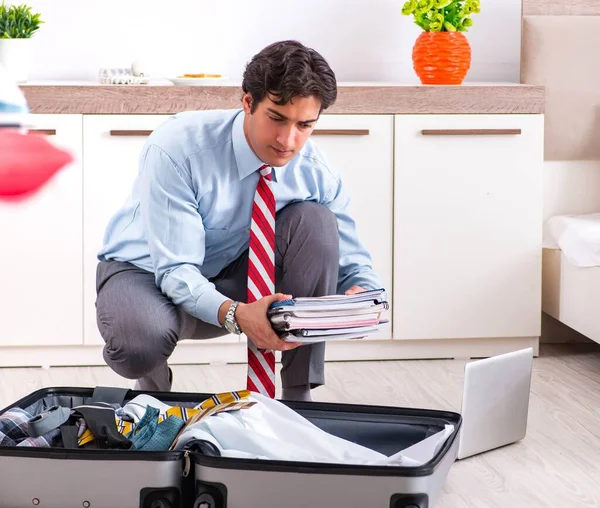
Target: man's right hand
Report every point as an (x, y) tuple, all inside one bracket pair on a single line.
[(253, 320)]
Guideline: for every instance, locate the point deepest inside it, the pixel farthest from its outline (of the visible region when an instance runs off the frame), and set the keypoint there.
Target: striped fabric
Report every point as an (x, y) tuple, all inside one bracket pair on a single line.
[(14, 430), (261, 278), (227, 401)]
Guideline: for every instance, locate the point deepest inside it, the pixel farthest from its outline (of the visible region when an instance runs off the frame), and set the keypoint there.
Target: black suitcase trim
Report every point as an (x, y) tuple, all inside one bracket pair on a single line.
[(315, 467), (84, 454)]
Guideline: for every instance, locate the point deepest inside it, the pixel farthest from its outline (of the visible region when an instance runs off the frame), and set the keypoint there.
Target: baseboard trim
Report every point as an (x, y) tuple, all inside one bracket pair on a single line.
[(220, 353)]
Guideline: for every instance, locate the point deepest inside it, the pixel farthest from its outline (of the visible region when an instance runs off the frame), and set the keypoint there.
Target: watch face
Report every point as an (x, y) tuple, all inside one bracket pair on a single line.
[(229, 326)]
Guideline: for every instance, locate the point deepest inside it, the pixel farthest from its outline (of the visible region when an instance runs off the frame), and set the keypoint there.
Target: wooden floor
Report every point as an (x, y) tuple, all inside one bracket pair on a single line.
[(556, 465)]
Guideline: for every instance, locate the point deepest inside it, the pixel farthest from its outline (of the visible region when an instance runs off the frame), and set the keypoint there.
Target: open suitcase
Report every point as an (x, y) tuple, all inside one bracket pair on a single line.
[(94, 478)]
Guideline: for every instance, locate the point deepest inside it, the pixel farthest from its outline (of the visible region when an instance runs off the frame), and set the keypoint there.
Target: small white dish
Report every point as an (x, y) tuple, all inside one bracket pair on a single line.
[(197, 81)]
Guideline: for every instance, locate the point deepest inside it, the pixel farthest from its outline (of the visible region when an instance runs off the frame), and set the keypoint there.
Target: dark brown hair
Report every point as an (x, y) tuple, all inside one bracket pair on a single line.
[(288, 69)]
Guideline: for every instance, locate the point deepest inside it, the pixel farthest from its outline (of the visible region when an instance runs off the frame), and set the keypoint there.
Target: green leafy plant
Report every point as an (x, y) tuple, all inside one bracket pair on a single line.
[(18, 22), (442, 15)]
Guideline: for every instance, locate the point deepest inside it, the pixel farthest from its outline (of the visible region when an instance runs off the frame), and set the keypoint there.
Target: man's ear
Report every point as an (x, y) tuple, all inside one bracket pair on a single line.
[(247, 103)]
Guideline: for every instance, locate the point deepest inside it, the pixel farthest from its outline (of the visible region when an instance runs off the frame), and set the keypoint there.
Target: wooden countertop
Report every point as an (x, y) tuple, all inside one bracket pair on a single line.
[(358, 98)]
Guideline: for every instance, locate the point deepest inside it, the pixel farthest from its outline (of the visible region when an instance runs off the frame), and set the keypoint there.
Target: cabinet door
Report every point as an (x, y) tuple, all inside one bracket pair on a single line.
[(41, 254), (112, 146), (360, 148), (467, 226)]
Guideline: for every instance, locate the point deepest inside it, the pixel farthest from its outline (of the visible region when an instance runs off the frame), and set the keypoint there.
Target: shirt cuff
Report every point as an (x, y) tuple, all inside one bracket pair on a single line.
[(208, 305)]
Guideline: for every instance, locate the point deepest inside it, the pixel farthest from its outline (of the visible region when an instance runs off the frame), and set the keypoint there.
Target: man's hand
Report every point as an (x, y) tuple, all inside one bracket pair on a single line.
[(354, 289), (253, 320)]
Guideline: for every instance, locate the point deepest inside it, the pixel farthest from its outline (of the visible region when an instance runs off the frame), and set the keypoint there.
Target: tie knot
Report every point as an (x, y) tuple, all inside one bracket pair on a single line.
[(265, 170)]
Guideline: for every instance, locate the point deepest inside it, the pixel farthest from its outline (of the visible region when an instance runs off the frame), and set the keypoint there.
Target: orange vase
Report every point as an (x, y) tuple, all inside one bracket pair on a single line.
[(441, 58)]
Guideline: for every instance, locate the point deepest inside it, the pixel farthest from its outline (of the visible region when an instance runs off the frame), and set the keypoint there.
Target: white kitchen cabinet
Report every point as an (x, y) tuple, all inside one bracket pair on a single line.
[(41, 254), (449, 207), (467, 226), (361, 149)]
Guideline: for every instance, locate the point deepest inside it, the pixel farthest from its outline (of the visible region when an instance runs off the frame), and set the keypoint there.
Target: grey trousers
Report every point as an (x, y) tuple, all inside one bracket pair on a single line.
[(141, 326)]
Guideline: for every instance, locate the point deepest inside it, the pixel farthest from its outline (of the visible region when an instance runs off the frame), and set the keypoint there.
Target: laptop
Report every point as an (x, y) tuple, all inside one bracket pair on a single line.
[(495, 402)]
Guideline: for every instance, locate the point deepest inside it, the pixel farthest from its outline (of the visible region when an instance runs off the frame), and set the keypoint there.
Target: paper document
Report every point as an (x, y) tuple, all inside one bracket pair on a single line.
[(375, 295), (332, 311), (292, 323), (329, 318), (312, 336)]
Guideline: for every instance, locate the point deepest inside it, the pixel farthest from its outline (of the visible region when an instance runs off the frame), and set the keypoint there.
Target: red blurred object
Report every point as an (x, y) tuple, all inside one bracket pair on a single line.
[(27, 163)]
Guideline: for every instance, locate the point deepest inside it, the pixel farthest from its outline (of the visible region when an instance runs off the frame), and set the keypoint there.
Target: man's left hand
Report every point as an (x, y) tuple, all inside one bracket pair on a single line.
[(354, 289)]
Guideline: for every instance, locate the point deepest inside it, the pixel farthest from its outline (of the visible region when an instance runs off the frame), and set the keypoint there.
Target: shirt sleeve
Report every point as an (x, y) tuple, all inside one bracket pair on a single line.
[(356, 266), (176, 236)]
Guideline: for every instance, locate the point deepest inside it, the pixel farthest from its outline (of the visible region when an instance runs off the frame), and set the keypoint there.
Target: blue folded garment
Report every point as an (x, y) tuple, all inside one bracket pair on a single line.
[(149, 435)]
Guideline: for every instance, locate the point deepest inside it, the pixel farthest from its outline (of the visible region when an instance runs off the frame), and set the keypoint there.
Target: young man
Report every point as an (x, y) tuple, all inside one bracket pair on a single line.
[(228, 208)]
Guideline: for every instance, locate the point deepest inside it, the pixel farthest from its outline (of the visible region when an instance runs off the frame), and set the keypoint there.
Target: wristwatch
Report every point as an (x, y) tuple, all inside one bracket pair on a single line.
[(230, 323)]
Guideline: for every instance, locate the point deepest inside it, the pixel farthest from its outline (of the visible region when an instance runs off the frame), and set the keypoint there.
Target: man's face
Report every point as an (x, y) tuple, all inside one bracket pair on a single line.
[(276, 133)]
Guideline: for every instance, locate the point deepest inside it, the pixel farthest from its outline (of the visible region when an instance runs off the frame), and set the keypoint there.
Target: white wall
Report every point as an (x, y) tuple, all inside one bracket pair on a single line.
[(364, 40), (571, 187)]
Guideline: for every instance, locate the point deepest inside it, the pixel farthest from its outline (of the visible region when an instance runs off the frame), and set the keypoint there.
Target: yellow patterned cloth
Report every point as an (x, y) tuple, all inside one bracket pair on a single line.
[(227, 401)]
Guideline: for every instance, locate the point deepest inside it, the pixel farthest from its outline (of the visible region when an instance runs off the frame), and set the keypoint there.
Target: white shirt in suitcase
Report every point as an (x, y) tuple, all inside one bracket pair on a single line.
[(270, 430)]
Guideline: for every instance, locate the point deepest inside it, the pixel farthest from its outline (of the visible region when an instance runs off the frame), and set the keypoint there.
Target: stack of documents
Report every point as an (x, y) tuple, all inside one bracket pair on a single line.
[(326, 318)]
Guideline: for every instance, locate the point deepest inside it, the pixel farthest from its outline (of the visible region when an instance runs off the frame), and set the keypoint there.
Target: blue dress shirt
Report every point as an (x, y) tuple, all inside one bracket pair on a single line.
[(189, 212)]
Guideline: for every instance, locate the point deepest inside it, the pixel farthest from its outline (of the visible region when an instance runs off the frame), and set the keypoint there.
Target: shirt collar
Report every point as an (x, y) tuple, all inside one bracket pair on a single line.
[(246, 160)]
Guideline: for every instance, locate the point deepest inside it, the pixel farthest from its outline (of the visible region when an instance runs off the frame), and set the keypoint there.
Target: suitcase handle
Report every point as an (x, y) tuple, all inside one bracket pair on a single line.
[(110, 394)]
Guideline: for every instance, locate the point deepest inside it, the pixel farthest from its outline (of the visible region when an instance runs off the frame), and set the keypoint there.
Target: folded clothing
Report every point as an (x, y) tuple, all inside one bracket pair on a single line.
[(145, 423), (233, 424), (14, 431), (150, 435), (270, 430), (149, 424)]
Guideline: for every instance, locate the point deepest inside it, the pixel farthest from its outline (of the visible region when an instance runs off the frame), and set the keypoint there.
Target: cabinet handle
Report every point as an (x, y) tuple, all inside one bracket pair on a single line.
[(340, 132), (47, 132), (317, 132), (470, 132), (132, 132)]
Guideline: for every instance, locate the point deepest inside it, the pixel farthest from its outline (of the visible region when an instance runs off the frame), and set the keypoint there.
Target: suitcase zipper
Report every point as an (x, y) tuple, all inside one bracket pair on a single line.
[(188, 463)]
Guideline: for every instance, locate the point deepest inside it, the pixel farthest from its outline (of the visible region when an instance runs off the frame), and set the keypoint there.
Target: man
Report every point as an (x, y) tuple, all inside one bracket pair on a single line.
[(196, 235)]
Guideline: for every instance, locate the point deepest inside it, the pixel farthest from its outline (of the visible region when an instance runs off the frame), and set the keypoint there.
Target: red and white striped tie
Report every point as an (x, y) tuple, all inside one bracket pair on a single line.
[(261, 278)]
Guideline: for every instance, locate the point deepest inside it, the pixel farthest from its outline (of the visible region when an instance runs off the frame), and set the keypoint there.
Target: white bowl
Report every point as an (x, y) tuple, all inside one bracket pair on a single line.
[(197, 81)]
